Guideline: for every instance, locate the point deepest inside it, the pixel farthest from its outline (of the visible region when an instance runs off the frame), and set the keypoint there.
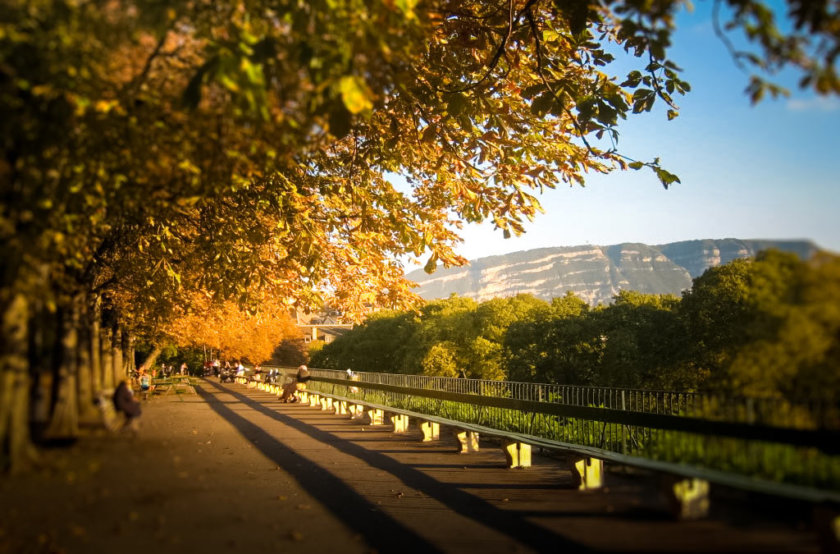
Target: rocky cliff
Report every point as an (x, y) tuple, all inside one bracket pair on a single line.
[(594, 273)]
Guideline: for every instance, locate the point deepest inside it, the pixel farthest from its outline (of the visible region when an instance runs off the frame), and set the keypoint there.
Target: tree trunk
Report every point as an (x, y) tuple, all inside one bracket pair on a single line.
[(41, 351), (107, 359), (128, 353), (16, 450), (117, 356), (87, 409), (95, 353), (65, 417), (149, 362)]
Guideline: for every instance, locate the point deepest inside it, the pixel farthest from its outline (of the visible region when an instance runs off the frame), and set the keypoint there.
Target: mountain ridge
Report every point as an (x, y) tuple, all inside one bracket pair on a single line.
[(595, 273)]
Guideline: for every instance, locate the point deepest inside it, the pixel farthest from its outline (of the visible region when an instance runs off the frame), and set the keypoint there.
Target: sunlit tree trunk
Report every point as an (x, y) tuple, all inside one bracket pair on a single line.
[(64, 423), (16, 450)]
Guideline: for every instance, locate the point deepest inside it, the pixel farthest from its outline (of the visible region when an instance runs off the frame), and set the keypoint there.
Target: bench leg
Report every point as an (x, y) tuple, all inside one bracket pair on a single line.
[(356, 411), (688, 499), (827, 524), (400, 423), (341, 407), (314, 401), (430, 430), (590, 471), (468, 441), (377, 417), (517, 454)]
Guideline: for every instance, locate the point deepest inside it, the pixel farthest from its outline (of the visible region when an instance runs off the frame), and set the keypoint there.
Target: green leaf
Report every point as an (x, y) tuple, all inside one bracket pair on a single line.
[(407, 7), (542, 103), (456, 104), (666, 177)]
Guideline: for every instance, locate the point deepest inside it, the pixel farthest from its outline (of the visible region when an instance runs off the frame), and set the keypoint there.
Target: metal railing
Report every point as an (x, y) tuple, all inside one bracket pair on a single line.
[(764, 439)]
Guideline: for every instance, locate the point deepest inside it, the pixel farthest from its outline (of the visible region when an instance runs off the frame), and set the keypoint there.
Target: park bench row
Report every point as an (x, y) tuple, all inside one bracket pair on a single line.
[(688, 498), (685, 487)]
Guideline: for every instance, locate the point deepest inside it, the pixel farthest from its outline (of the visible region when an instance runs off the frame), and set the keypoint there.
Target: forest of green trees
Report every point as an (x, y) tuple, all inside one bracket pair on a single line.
[(767, 326)]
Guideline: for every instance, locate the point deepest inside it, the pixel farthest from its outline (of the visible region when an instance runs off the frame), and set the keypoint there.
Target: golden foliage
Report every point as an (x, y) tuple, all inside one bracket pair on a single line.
[(232, 331)]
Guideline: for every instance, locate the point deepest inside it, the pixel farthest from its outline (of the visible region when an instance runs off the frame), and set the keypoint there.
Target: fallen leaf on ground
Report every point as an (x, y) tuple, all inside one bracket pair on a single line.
[(78, 530)]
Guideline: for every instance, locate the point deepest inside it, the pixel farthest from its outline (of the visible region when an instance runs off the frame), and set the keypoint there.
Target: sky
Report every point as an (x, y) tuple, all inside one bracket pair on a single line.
[(768, 171)]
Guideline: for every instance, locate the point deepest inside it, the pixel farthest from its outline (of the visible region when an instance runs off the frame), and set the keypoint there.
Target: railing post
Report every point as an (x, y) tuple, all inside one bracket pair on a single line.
[(623, 428)]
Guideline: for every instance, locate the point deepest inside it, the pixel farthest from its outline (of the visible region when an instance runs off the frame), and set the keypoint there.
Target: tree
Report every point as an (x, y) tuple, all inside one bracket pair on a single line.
[(554, 345), (378, 344), (768, 327), (234, 333), (643, 342)]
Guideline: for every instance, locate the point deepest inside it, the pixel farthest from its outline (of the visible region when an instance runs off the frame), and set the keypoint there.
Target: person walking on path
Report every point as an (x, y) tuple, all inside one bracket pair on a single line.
[(145, 383)]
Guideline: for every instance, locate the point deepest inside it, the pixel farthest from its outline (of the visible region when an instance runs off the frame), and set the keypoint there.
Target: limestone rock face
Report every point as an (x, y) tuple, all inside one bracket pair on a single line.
[(594, 273)]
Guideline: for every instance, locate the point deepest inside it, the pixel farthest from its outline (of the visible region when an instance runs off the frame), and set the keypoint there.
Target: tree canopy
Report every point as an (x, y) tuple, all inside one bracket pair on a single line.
[(145, 142)]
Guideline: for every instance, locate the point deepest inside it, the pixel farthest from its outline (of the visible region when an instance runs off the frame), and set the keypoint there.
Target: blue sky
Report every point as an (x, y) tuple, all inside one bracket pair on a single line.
[(765, 171)]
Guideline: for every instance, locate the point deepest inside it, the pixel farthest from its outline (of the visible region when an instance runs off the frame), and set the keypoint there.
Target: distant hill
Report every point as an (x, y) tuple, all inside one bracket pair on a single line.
[(594, 273)]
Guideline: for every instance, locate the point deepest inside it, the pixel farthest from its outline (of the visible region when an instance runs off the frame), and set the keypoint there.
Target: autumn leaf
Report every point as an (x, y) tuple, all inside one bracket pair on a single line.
[(355, 94)]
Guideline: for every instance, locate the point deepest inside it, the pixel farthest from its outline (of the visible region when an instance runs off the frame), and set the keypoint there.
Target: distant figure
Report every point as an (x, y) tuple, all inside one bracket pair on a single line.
[(184, 368), (124, 403), (145, 383), (291, 388), (353, 377), (302, 377)]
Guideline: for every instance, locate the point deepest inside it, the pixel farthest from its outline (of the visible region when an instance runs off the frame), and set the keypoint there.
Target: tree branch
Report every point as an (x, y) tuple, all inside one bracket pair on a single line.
[(497, 55)]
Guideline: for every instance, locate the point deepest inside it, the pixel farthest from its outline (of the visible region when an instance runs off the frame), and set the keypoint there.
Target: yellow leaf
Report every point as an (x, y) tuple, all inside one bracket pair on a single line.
[(355, 94)]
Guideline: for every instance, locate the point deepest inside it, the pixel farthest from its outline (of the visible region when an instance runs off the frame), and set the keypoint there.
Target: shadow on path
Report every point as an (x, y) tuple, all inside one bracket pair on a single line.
[(324, 486), (380, 531)]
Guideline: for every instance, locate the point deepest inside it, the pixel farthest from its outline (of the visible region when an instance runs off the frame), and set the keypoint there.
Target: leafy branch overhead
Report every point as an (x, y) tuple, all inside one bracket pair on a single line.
[(230, 148)]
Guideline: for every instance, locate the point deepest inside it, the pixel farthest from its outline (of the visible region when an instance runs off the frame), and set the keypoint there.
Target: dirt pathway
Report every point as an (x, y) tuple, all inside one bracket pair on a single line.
[(231, 470)]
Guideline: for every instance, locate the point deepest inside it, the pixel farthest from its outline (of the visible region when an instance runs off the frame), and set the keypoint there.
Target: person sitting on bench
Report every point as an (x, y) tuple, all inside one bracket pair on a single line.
[(124, 403), (291, 389)]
